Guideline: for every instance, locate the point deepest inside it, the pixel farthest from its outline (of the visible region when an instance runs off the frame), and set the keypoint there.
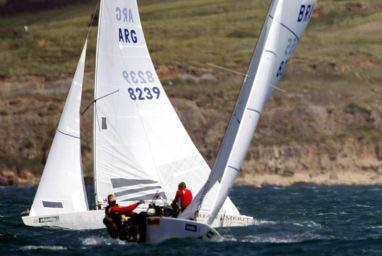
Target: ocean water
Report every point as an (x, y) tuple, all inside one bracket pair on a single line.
[(298, 220)]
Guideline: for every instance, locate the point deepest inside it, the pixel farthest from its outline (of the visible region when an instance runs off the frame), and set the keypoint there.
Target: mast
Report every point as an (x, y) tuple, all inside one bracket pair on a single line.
[(97, 203)]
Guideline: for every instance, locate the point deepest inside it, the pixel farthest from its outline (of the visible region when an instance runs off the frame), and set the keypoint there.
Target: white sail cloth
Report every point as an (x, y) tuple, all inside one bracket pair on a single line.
[(282, 31), (141, 148), (61, 189)]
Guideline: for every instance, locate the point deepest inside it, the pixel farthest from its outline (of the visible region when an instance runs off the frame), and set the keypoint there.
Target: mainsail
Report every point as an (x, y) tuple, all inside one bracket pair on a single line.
[(61, 189), (141, 148), (284, 26)]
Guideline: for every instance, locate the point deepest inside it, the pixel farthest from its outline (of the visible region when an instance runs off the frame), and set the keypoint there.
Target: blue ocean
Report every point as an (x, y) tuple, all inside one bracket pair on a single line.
[(297, 220)]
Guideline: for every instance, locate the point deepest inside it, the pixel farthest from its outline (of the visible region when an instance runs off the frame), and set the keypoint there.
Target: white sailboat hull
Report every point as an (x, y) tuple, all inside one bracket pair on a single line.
[(94, 220), (160, 229)]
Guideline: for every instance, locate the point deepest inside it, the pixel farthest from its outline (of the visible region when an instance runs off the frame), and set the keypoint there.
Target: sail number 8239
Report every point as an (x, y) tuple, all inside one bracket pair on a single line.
[(144, 93), (141, 93), (138, 77)]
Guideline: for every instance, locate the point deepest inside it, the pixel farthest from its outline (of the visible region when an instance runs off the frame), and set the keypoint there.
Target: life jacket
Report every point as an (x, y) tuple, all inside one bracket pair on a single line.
[(112, 221), (185, 197)]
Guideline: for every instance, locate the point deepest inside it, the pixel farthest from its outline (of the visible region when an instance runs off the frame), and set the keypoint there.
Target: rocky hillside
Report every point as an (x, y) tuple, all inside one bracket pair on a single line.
[(324, 128)]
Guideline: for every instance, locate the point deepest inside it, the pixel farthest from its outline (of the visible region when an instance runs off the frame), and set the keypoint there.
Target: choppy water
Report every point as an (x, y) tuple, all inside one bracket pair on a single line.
[(300, 220)]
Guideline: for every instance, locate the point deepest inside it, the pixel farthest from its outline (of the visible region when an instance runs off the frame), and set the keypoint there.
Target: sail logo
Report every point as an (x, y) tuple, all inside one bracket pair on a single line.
[(126, 35), (48, 219)]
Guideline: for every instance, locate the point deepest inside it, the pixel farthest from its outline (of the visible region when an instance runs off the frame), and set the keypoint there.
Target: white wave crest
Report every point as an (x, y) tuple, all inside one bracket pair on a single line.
[(376, 227), (309, 224), (95, 240), (43, 247), (259, 222), (298, 238)]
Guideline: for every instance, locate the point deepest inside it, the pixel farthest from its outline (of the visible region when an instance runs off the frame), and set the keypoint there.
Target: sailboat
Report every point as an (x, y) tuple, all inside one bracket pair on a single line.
[(141, 149), (283, 29)]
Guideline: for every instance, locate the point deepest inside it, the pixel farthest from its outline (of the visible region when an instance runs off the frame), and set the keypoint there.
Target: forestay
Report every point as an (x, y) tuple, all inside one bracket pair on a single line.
[(141, 148), (61, 188), (284, 26)]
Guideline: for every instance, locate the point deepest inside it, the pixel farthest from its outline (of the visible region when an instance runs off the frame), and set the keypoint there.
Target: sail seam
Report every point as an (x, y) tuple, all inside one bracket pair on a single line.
[(67, 134), (272, 52), (234, 168), (290, 30), (254, 110)]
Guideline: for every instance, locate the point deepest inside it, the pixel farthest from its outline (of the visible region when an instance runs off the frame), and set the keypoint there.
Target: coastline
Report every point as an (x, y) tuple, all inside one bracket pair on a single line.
[(322, 179), (348, 178)]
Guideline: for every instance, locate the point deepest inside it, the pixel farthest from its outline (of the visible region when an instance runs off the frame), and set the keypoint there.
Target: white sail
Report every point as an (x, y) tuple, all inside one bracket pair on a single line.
[(282, 31), (141, 147), (61, 189)]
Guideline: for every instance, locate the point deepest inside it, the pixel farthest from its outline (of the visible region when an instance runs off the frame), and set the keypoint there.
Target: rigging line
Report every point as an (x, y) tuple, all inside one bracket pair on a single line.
[(227, 69), (241, 74), (92, 19), (67, 134), (95, 100)]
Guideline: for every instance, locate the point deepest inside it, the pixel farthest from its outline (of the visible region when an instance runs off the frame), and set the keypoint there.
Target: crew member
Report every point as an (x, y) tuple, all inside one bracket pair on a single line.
[(182, 198), (117, 215)]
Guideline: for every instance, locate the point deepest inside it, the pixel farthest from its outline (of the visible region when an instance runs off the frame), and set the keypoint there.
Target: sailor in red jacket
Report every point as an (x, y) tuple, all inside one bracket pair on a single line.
[(115, 215), (182, 198), (114, 208)]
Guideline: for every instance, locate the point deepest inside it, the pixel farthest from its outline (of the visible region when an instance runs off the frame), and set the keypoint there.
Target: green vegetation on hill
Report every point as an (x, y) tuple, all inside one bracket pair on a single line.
[(193, 32)]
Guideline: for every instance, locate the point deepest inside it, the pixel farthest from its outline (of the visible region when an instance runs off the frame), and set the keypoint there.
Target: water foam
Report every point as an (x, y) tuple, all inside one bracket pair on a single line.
[(43, 247), (95, 240), (259, 222), (298, 238), (309, 224)]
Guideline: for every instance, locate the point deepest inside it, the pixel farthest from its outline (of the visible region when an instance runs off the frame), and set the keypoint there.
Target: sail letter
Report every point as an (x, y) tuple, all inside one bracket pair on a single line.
[(127, 36), (120, 35), (134, 37), (127, 14)]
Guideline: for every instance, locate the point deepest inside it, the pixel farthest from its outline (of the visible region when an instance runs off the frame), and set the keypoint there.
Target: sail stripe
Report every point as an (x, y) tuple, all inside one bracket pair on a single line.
[(131, 191), (120, 182), (146, 197), (49, 204), (290, 30), (67, 134)]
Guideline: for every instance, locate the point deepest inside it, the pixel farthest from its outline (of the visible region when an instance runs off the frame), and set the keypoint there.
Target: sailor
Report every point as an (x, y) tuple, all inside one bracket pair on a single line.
[(117, 218), (182, 198)]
